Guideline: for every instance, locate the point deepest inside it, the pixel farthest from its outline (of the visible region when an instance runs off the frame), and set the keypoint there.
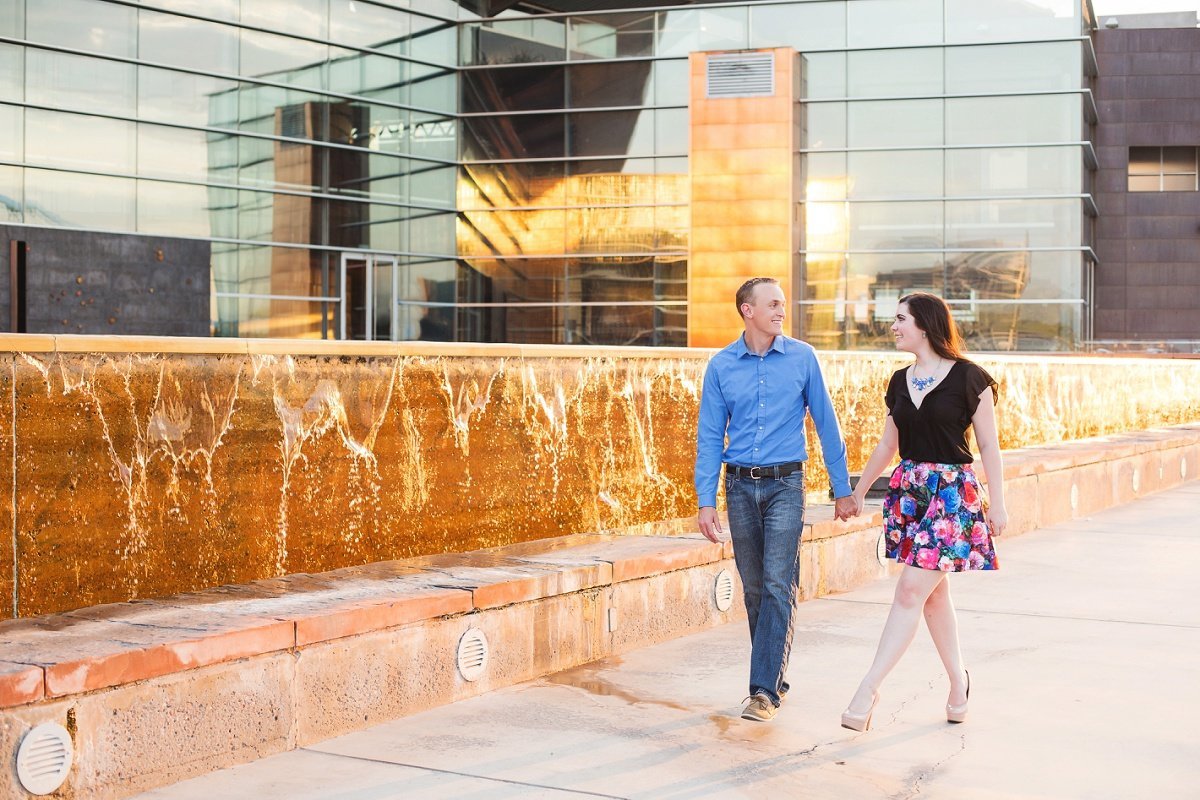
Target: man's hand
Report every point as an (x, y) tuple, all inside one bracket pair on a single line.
[(845, 507), (710, 524)]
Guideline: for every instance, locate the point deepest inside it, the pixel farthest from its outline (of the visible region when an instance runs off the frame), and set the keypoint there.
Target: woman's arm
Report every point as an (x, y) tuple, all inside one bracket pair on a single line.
[(883, 454), (984, 423)]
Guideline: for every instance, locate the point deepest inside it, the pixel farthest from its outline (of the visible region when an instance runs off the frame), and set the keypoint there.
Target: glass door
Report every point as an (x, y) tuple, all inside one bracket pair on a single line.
[(369, 290)]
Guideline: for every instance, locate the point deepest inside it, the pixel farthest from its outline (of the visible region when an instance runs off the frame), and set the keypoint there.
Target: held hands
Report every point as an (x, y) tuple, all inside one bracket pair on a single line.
[(710, 524), (847, 507)]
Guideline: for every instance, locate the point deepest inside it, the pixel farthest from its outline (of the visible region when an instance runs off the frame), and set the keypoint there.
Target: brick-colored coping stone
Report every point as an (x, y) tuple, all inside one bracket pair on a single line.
[(155, 691)]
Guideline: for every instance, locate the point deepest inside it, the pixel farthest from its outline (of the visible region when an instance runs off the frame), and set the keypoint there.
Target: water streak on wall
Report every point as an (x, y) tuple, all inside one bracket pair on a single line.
[(143, 474)]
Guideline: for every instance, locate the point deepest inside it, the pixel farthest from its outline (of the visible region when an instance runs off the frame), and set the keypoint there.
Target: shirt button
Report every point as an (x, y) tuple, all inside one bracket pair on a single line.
[(760, 427)]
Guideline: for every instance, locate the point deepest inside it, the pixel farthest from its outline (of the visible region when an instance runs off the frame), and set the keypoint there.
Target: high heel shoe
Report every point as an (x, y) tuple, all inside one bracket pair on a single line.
[(860, 722), (959, 713)]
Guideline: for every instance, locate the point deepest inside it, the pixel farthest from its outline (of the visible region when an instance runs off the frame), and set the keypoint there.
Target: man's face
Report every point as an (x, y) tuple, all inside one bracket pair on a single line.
[(766, 312)]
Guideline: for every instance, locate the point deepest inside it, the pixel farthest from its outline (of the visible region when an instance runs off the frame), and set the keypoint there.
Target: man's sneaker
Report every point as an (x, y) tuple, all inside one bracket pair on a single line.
[(759, 708)]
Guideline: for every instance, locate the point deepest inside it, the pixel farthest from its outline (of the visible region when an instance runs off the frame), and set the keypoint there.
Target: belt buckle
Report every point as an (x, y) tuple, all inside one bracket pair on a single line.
[(753, 470)]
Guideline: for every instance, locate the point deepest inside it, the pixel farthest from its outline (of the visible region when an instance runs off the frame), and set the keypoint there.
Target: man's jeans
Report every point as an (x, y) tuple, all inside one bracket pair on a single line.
[(766, 518)]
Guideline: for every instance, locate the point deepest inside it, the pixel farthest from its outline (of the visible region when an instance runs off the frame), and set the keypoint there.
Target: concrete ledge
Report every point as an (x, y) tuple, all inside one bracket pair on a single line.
[(159, 690)]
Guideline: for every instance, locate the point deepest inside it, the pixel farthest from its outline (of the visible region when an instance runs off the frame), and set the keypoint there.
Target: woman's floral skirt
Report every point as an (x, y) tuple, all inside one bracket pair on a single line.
[(933, 518)]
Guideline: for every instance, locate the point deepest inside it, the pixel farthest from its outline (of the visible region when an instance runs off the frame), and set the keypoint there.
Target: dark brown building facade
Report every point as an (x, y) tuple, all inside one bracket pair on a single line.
[(1147, 279)]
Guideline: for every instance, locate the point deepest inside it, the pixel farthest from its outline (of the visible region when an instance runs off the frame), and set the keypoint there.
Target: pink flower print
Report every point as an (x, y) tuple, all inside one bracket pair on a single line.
[(949, 476), (978, 533), (927, 558), (922, 539), (946, 564), (975, 560), (896, 479)]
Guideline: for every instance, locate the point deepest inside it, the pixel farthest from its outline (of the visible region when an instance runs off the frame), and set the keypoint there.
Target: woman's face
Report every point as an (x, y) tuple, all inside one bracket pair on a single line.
[(908, 335)]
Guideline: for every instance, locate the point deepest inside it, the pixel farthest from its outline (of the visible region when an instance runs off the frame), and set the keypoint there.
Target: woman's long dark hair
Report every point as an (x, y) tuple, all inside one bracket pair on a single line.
[(932, 315)]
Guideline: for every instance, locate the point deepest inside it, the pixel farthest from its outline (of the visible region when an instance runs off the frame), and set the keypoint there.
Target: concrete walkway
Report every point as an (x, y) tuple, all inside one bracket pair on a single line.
[(1084, 652)]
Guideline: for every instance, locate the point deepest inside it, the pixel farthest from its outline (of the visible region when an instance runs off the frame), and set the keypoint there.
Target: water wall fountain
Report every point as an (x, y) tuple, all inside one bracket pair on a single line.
[(140, 468)]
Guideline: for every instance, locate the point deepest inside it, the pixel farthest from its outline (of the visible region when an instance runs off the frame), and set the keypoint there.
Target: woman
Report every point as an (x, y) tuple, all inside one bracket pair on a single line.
[(936, 517)]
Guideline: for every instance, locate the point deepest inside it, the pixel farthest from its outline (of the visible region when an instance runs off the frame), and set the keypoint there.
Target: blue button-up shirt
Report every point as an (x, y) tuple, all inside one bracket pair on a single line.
[(759, 402)]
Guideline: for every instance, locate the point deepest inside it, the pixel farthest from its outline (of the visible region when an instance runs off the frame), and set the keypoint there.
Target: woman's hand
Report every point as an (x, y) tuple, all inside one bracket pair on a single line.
[(997, 517)]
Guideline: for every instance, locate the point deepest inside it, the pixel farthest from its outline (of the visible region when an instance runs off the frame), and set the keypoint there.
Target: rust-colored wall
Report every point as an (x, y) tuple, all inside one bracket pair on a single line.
[(742, 159), (144, 473)]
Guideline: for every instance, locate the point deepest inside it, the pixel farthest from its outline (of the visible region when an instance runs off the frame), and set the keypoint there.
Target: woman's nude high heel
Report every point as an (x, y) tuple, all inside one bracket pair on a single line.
[(860, 722), (959, 713)]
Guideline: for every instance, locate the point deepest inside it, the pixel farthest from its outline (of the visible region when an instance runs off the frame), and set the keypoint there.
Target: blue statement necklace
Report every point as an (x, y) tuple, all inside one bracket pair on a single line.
[(921, 384)]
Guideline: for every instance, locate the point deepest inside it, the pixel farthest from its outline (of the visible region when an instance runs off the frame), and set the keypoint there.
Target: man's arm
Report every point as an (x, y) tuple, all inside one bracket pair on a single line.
[(710, 442), (833, 446)]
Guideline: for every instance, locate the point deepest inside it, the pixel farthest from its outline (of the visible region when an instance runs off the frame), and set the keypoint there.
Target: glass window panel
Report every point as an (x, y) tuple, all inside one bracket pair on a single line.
[(217, 9), (891, 123), (433, 233), (825, 176), (84, 25), (75, 200), (1145, 160), (824, 125), (79, 83), (895, 73), (1179, 183), (1014, 170), (513, 184), (186, 42), (825, 226), (1031, 327), (671, 227), (12, 133), (672, 183), (683, 32), (1179, 160), (432, 136), (1013, 120), (898, 173), (280, 58), (12, 18), (824, 75), (12, 195), (612, 36), (433, 40), (893, 23), (434, 88), (1145, 183), (1036, 66), (381, 77), (896, 226), (516, 280), (610, 84), (73, 140), (612, 182), (513, 89), (172, 152), (516, 136), (803, 26), (881, 279), (172, 209), (12, 72), (614, 229), (301, 17), (611, 133), (514, 232), (431, 183), (972, 21), (365, 24), (671, 131), (185, 98), (516, 41), (672, 82), (1013, 223)]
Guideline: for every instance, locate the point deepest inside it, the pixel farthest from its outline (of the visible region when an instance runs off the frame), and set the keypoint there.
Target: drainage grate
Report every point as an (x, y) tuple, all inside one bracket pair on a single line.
[(472, 654), (44, 758), (741, 75), (723, 590)]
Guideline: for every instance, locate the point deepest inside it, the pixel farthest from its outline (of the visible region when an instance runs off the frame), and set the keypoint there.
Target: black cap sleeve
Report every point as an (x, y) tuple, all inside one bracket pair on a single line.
[(895, 385), (977, 380)]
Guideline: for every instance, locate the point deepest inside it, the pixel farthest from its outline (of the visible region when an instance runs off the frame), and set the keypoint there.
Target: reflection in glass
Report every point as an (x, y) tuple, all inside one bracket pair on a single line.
[(294, 61), (612, 35), (12, 73), (520, 184), (803, 26), (600, 85), (823, 75), (12, 133), (368, 25), (513, 89), (825, 225), (1014, 120), (173, 209), (217, 9), (671, 85), (516, 136), (896, 173), (825, 176), (75, 200), (515, 41), (12, 18), (895, 123), (74, 140), (893, 23), (609, 133), (895, 226), (189, 43), (83, 25), (1013, 223), (1029, 66), (972, 21), (823, 276), (79, 83), (895, 73), (301, 17), (1014, 170), (986, 326), (172, 152), (824, 125), (683, 32), (185, 98)]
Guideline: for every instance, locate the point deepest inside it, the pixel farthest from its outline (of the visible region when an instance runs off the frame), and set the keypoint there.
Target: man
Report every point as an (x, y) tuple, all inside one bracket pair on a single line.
[(756, 392)]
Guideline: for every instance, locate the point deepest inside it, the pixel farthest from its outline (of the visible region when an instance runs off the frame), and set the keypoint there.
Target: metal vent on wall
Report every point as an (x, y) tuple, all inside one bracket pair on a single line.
[(44, 758), (723, 590), (741, 75), (472, 654)]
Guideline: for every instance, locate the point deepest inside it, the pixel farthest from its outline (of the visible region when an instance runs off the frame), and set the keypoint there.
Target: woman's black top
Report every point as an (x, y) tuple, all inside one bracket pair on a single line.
[(937, 431)]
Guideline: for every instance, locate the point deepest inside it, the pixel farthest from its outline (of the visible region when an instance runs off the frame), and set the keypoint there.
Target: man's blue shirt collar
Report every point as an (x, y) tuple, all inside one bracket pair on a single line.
[(741, 349)]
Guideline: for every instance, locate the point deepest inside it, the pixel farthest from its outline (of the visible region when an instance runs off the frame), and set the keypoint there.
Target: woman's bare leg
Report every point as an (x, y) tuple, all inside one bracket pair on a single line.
[(943, 628), (912, 590)]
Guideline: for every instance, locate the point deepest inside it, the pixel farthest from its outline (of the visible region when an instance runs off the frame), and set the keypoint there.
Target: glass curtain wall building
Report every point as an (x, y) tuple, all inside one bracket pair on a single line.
[(404, 169)]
